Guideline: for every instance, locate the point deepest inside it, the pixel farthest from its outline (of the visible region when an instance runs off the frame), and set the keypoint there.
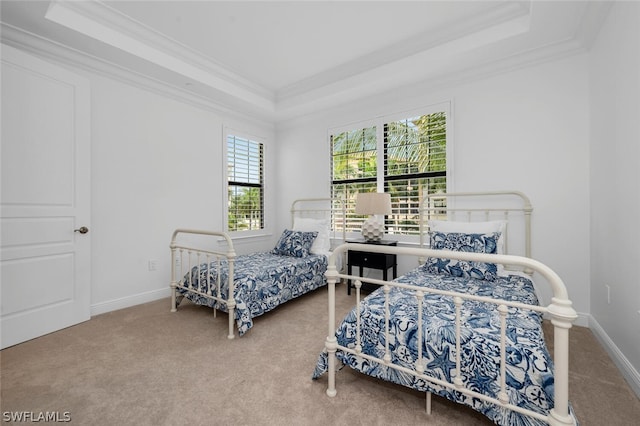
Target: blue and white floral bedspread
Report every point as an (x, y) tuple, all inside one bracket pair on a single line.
[(263, 281), (529, 365)]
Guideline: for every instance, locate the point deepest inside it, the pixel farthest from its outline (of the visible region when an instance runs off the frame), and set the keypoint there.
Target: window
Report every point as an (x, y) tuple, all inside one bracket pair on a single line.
[(245, 184), (406, 158)]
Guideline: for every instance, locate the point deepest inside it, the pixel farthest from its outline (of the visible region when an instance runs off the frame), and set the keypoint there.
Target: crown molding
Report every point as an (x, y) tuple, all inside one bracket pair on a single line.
[(300, 107), (101, 22), (502, 21), (64, 55), (366, 78), (302, 110), (591, 20)]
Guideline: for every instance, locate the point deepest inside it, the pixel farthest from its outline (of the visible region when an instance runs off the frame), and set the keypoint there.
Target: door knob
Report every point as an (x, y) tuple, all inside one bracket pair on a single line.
[(82, 230)]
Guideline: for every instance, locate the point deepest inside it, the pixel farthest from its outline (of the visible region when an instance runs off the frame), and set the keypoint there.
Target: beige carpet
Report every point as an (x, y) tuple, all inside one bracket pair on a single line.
[(147, 366)]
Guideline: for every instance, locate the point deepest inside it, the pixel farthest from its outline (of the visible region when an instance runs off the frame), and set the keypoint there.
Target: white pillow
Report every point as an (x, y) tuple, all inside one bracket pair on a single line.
[(487, 227), (322, 243)]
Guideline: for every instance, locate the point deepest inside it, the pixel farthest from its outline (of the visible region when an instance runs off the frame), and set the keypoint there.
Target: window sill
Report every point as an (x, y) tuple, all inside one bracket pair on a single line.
[(242, 238)]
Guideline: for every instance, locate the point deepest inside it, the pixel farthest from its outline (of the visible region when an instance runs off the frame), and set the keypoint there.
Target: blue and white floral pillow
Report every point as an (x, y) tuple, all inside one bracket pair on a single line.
[(295, 243), (455, 241)]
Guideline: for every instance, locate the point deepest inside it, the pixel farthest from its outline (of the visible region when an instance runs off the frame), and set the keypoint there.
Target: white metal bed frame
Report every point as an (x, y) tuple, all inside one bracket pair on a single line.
[(560, 310), (431, 210), (186, 255)]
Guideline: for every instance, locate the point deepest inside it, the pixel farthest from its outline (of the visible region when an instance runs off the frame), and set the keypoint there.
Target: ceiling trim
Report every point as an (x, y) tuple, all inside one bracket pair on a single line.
[(240, 98), (592, 19), (110, 26), (65, 55), (501, 21), (298, 109), (101, 22)]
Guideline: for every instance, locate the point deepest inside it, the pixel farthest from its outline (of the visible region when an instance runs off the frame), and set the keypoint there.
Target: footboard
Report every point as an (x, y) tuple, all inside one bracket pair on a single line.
[(191, 259), (560, 311)]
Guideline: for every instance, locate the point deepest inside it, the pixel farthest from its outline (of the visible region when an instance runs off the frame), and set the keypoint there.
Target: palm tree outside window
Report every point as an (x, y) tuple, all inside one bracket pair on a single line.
[(406, 158)]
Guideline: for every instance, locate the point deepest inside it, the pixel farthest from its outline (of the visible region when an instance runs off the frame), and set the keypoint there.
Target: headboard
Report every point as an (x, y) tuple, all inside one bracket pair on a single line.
[(512, 207), (331, 209)]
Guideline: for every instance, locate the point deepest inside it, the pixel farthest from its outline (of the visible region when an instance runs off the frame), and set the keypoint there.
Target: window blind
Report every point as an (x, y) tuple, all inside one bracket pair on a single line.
[(354, 163), (413, 154), (245, 160), (415, 164)]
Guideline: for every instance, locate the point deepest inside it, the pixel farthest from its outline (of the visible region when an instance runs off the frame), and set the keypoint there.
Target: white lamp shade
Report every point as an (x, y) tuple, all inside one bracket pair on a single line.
[(373, 203)]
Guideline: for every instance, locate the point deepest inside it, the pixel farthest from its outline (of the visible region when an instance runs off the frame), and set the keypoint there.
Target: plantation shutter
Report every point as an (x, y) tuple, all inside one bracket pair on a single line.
[(354, 169), (414, 165), (245, 184), (407, 157)]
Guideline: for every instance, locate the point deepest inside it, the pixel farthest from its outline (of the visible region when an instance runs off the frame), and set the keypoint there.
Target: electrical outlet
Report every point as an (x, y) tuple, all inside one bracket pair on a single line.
[(153, 265)]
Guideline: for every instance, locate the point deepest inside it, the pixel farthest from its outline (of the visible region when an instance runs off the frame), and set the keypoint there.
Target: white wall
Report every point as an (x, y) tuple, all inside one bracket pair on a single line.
[(615, 185), (527, 130), (156, 166)]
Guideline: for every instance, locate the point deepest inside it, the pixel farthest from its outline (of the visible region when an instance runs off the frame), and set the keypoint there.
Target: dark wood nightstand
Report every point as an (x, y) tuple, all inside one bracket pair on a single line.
[(365, 259)]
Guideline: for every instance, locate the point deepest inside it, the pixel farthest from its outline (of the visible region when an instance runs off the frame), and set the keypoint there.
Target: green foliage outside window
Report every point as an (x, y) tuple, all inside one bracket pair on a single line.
[(245, 184), (414, 163)]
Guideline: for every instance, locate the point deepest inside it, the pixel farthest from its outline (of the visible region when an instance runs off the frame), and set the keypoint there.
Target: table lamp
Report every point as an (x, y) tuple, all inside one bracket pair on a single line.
[(373, 203)]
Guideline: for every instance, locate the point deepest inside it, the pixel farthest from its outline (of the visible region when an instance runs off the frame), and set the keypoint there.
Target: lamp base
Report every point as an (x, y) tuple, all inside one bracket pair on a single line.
[(373, 230)]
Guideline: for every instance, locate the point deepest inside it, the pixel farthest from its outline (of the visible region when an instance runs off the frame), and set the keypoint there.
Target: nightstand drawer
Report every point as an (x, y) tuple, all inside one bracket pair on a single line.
[(371, 260)]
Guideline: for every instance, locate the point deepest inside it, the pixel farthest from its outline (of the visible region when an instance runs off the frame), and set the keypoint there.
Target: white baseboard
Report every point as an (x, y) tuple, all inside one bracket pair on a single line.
[(126, 302), (581, 321), (629, 372)]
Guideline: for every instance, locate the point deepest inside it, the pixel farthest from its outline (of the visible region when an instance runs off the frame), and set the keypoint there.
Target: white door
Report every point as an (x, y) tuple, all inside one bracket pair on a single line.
[(45, 163)]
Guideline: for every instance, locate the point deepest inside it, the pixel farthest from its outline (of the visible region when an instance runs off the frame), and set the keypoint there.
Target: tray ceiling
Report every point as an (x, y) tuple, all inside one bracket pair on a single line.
[(283, 59)]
